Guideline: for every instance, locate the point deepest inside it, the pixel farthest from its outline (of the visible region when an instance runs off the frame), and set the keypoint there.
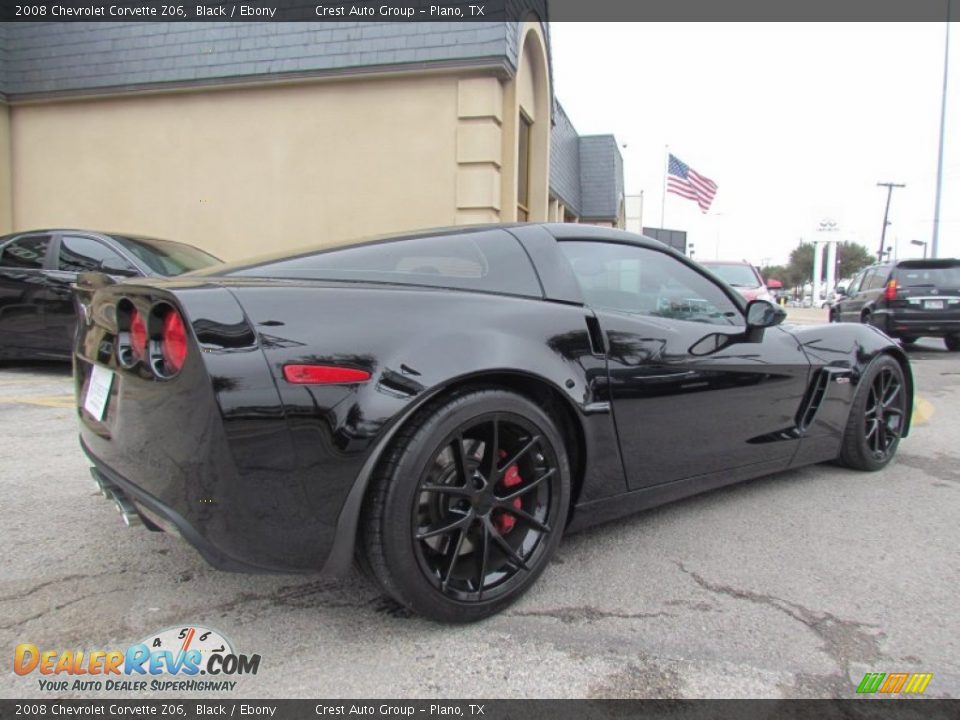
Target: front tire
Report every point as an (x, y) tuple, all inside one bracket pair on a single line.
[(877, 416), (468, 505), (952, 342)]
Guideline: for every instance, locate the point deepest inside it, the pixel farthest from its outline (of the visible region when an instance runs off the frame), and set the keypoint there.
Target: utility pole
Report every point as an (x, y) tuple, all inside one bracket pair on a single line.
[(886, 214), (935, 242)]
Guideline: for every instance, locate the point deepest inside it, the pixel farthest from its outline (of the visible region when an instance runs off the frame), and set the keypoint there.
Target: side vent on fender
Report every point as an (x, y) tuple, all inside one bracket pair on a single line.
[(813, 400), (597, 345)]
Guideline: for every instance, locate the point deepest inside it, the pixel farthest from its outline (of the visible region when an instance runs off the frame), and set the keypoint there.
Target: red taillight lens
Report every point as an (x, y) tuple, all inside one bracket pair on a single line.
[(891, 292), (174, 342), (323, 375), (138, 336)]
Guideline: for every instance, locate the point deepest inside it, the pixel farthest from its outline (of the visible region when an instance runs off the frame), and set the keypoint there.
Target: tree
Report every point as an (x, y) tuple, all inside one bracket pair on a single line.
[(851, 256)]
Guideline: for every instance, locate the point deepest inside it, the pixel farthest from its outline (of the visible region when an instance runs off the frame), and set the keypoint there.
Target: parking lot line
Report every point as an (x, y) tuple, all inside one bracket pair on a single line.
[(52, 401), (922, 411)]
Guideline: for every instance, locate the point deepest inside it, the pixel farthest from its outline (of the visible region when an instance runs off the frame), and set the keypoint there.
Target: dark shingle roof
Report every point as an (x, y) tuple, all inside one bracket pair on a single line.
[(3, 58), (45, 58), (565, 160), (586, 172), (601, 177)]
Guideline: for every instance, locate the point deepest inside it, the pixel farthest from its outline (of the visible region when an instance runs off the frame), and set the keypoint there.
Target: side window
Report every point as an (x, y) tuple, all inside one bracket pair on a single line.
[(80, 254), (866, 279), (491, 261), (877, 278), (25, 253), (855, 284), (642, 281)]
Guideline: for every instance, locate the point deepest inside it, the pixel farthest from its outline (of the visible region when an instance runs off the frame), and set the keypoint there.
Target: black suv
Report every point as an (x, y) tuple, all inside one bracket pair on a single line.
[(908, 299)]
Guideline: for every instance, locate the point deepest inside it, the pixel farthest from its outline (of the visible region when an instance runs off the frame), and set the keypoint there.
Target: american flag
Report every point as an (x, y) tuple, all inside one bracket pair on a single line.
[(686, 182)]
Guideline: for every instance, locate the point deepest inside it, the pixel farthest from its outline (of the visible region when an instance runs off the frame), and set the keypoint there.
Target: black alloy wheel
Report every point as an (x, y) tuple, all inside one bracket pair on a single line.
[(482, 513), (884, 413), (877, 416), (470, 506)]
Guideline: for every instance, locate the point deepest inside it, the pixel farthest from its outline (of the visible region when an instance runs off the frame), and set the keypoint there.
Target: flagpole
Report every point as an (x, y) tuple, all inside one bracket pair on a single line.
[(666, 169)]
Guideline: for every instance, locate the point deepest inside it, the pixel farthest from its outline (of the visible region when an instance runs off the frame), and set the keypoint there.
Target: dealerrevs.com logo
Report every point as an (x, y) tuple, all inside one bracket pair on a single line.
[(170, 660)]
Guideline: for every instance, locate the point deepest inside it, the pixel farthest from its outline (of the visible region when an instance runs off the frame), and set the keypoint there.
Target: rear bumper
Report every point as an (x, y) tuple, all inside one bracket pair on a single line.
[(910, 324), (157, 515)]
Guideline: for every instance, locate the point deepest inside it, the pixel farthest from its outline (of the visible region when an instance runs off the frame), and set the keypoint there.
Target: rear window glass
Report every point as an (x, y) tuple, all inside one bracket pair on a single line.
[(734, 275), (165, 257), (938, 277), (27, 253), (491, 261)]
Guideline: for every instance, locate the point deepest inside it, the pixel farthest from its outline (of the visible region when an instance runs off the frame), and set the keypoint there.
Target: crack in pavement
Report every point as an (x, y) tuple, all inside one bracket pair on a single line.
[(843, 640), (65, 578), (56, 608), (585, 613), (940, 466)]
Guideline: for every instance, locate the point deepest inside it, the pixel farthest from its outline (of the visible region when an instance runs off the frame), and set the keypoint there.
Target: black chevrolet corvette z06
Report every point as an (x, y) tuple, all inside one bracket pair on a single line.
[(38, 269), (444, 405)]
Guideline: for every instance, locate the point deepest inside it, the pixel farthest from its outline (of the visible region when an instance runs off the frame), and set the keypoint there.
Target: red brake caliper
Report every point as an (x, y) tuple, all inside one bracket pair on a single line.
[(502, 519)]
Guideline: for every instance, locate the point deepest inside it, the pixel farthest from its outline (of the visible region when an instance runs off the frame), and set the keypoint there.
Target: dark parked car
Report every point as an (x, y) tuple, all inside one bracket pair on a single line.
[(39, 267), (908, 299), (446, 405)]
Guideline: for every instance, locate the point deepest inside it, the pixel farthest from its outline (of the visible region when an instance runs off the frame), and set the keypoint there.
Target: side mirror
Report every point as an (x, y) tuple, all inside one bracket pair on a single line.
[(841, 291), (116, 266), (709, 344), (763, 314)]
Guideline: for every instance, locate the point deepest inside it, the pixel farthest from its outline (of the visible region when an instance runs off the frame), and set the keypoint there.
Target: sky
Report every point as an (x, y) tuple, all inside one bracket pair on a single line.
[(796, 123)]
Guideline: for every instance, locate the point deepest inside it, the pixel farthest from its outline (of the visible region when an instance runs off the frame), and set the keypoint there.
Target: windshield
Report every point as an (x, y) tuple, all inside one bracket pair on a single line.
[(165, 257), (938, 276), (735, 275)]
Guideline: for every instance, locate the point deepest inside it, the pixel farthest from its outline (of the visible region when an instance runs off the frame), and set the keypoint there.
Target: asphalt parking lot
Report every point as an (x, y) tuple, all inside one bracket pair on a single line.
[(789, 586)]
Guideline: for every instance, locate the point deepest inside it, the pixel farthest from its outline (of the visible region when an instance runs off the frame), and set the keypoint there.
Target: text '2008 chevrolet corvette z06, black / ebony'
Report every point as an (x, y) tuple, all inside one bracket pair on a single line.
[(444, 405)]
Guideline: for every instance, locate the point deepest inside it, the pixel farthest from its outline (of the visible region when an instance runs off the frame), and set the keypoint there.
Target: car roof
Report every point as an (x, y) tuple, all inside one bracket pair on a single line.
[(725, 262)]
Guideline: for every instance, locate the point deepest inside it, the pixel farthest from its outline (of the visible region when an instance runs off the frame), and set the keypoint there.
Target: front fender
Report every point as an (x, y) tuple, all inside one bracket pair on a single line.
[(848, 349)]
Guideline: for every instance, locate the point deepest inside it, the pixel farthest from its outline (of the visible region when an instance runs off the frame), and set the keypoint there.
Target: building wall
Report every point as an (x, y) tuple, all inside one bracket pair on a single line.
[(6, 191), (245, 171)]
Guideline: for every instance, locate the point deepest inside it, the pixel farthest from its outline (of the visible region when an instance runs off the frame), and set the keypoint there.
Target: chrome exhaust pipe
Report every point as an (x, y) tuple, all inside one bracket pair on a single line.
[(129, 513)]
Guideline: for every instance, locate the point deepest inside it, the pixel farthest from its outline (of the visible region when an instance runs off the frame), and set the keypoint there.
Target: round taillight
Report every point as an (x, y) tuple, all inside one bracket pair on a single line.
[(173, 342), (138, 336)]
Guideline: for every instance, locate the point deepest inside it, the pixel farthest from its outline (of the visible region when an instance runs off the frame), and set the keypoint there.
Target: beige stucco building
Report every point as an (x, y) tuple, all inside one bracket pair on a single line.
[(245, 138)]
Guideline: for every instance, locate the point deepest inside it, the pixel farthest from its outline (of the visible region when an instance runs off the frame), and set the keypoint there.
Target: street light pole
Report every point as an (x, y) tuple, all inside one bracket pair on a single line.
[(935, 241), (886, 214)]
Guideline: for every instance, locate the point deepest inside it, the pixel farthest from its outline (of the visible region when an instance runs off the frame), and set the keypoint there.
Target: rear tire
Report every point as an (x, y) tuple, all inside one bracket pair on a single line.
[(877, 416), (952, 342), (908, 340), (468, 505)]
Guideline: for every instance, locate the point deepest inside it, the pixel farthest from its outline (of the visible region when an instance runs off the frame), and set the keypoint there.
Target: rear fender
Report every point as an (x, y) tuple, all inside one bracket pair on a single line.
[(416, 344)]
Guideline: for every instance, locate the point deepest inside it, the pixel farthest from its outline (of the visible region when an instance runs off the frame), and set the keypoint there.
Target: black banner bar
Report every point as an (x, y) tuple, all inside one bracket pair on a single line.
[(474, 10), (857, 709)]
